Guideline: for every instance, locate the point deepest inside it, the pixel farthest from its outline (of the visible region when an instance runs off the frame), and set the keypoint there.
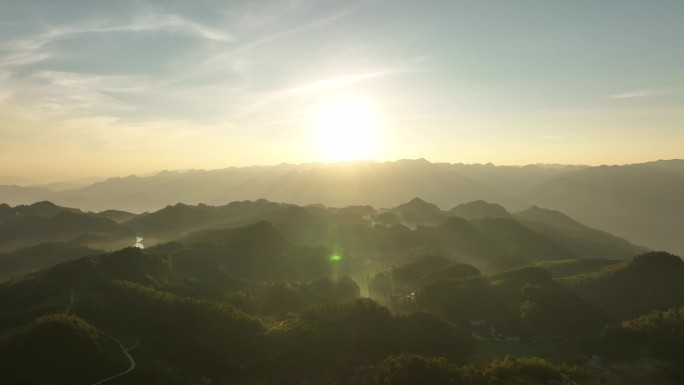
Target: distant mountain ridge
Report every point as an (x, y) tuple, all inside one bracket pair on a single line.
[(641, 202), (377, 184)]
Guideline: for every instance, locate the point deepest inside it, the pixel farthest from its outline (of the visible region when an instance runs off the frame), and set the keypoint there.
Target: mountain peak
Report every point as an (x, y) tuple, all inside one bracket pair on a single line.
[(418, 204), (44, 205), (550, 217), (658, 259), (416, 201), (480, 209), (418, 211)]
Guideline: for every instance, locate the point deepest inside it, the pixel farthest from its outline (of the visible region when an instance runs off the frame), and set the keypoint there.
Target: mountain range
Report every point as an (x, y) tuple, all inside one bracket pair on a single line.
[(490, 238), (258, 292), (640, 202)]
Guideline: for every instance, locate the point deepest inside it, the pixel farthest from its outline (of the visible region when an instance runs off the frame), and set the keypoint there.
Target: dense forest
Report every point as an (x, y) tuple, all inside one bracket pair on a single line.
[(256, 292)]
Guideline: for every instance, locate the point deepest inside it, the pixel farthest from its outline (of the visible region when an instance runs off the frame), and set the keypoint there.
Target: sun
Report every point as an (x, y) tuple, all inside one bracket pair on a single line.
[(345, 129)]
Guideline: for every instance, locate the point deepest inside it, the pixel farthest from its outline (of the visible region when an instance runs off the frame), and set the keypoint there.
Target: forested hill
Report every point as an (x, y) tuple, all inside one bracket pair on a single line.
[(245, 305), (264, 292), (640, 202), (42, 234), (652, 281)]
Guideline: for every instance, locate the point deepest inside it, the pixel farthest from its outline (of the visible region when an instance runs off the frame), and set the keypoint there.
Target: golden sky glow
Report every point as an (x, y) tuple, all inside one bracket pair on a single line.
[(115, 88)]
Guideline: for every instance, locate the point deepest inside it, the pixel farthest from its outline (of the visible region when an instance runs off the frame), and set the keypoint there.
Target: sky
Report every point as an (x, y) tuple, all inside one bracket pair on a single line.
[(104, 88)]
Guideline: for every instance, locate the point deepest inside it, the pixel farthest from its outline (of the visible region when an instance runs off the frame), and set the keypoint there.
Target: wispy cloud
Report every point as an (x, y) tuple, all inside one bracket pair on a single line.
[(644, 93), (224, 59), (95, 82), (170, 22), (238, 76), (56, 92), (23, 58)]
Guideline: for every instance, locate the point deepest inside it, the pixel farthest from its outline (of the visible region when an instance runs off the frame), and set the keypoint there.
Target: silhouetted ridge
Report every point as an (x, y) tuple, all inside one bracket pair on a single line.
[(177, 218), (44, 209), (247, 208), (479, 209), (260, 235), (658, 260), (44, 206), (418, 211), (292, 214), (66, 225), (640, 201), (84, 222), (516, 238), (551, 217), (116, 215)]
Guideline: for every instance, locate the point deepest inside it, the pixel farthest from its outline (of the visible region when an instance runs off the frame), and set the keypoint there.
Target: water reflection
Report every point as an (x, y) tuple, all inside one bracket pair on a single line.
[(138, 243)]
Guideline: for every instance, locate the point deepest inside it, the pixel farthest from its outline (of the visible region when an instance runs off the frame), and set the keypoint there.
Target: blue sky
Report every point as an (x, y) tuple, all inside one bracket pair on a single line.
[(120, 87)]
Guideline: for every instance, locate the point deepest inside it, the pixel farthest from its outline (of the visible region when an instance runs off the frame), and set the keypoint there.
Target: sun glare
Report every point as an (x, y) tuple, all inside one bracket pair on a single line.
[(345, 129)]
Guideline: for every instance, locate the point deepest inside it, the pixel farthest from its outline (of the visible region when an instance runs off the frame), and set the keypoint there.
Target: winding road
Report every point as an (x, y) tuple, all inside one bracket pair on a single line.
[(128, 355), (123, 349)]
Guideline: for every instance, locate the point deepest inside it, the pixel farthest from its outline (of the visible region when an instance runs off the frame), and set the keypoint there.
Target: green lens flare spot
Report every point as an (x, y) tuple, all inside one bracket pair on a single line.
[(335, 258)]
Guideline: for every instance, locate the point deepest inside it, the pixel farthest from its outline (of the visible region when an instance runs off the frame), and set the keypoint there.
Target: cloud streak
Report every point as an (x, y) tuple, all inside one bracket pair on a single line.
[(228, 58), (170, 23), (644, 93), (23, 58)]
